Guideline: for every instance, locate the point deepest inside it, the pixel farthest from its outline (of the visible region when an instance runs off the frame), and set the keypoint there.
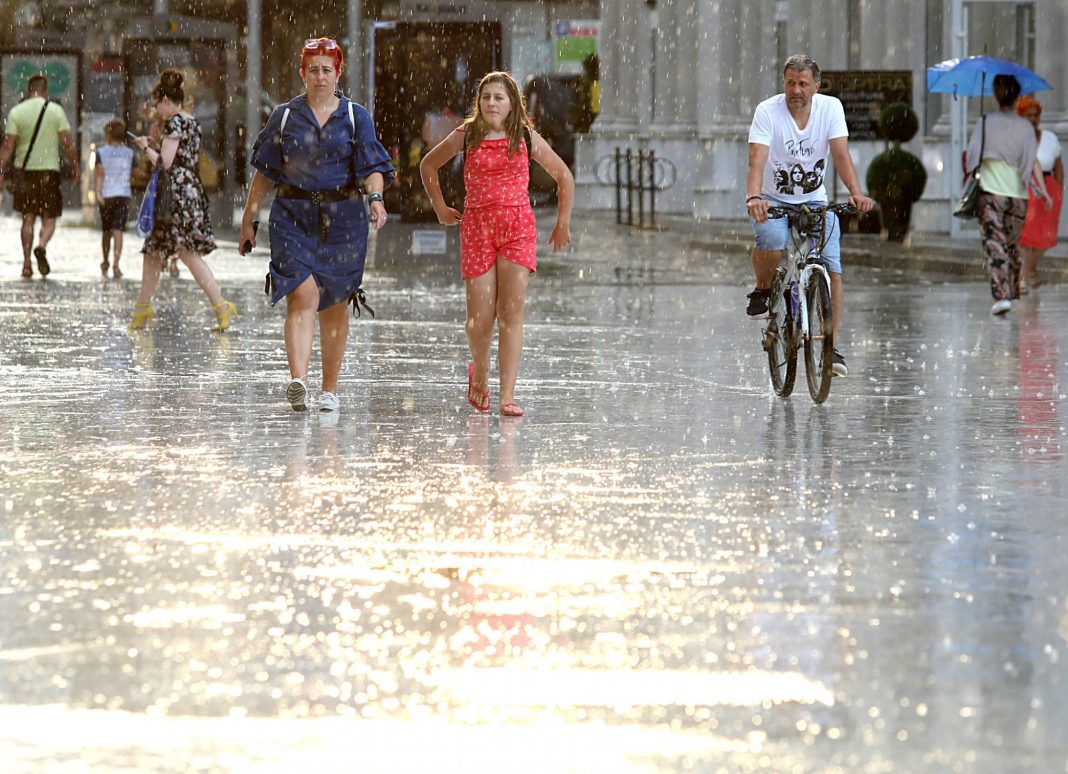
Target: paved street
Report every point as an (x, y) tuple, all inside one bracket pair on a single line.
[(661, 567)]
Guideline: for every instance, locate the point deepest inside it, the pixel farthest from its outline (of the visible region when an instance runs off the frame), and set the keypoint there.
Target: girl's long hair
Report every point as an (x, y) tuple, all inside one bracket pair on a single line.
[(475, 126)]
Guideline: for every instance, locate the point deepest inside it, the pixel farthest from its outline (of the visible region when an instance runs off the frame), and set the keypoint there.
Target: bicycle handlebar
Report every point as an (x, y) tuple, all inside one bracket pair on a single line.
[(784, 212)]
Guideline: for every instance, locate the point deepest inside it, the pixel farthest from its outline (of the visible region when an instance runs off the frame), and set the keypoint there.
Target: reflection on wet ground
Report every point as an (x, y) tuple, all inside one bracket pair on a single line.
[(660, 567)]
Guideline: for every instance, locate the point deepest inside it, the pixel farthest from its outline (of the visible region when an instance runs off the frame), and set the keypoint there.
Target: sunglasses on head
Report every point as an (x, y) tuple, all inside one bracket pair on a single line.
[(314, 44)]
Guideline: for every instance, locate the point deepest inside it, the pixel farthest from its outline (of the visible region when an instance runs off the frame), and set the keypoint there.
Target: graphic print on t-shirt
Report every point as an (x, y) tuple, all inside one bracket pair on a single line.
[(792, 179)]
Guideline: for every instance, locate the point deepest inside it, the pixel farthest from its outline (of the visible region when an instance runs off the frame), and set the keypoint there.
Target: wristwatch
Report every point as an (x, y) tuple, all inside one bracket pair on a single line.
[(374, 196)]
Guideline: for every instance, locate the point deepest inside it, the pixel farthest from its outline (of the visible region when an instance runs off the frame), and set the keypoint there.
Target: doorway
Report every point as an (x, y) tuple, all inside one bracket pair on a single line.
[(424, 76)]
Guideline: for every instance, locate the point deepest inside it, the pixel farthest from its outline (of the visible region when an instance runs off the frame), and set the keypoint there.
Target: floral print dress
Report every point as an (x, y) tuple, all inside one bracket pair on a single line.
[(190, 226)]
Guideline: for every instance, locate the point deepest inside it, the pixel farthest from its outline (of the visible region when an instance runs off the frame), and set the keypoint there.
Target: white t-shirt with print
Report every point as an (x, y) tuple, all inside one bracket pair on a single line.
[(797, 158)]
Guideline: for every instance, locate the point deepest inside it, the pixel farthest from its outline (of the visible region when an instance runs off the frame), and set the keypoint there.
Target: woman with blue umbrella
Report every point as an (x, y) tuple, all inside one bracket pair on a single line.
[(1003, 147)]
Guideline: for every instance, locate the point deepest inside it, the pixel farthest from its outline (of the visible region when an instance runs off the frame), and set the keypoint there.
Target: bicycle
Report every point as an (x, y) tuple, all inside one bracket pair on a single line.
[(799, 306)]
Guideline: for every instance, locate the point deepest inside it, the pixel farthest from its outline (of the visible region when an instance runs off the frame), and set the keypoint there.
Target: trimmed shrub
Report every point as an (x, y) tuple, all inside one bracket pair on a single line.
[(898, 122), (896, 175)]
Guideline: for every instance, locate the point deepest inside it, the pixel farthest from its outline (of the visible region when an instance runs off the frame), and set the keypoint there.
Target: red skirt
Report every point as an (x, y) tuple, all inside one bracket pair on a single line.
[(1040, 227)]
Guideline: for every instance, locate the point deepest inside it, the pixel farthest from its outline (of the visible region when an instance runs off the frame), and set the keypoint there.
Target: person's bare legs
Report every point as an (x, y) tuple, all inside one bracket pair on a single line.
[(105, 251), (333, 333), (1029, 258), (764, 263), (116, 252), (481, 314), (511, 296), (151, 265), (302, 304), (201, 272), (48, 228), (26, 233)]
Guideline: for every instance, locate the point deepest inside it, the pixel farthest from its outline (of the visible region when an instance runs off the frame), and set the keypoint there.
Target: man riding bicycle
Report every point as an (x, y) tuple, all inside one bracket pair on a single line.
[(790, 138)]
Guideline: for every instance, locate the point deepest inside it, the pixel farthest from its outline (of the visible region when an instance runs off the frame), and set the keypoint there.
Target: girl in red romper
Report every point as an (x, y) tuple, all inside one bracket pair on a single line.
[(498, 237)]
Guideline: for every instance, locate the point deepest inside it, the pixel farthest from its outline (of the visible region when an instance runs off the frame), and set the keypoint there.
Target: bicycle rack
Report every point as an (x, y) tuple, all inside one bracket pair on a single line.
[(636, 175)]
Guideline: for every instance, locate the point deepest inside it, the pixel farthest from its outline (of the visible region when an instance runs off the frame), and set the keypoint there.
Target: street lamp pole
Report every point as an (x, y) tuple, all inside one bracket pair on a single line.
[(958, 112), (352, 56), (253, 74)]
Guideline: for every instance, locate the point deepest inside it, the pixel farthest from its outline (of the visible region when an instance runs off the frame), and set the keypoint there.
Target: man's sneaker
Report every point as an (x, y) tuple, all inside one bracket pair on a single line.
[(42, 261), (758, 304), (1000, 307), (838, 366), (297, 395), (328, 401)]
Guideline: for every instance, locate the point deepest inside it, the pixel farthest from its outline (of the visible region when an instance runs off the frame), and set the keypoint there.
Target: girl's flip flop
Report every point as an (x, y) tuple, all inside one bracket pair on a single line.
[(483, 403), (511, 410)]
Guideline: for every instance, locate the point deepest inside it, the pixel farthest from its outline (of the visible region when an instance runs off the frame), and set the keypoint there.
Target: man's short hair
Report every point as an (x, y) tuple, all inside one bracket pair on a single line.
[(801, 62), (38, 84)]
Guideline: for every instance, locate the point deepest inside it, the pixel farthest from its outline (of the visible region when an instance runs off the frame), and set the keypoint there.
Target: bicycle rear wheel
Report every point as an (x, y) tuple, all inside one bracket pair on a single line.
[(778, 341), (819, 344)]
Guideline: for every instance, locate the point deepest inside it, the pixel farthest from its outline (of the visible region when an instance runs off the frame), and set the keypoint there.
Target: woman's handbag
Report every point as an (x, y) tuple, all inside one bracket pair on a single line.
[(968, 205), (164, 197), (146, 215)]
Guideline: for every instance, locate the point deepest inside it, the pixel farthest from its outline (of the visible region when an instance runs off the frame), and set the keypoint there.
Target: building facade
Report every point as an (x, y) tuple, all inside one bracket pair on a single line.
[(682, 78)]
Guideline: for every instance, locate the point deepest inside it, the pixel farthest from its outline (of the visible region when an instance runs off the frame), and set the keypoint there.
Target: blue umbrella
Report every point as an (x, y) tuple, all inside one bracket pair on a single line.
[(973, 76)]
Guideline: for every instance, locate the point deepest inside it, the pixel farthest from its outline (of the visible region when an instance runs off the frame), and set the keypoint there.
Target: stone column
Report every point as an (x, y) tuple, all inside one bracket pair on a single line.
[(625, 98), (624, 71), (677, 89), (737, 69)]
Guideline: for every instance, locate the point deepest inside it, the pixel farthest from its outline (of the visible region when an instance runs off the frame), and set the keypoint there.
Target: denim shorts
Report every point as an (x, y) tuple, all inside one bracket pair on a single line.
[(773, 234)]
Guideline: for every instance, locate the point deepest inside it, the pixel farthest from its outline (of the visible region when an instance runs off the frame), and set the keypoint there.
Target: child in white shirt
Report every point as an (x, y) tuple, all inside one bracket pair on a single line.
[(114, 162)]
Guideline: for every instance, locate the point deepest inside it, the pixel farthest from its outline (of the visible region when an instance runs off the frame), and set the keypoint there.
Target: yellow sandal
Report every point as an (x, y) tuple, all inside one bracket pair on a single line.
[(142, 314), (224, 310)]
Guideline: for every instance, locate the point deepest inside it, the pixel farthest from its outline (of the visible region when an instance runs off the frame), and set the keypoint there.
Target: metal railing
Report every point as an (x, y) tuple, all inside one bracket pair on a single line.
[(637, 176)]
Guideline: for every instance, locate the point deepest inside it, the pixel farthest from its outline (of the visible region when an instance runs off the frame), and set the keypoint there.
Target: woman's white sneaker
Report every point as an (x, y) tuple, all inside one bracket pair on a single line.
[(328, 401), (1000, 307), (297, 395)]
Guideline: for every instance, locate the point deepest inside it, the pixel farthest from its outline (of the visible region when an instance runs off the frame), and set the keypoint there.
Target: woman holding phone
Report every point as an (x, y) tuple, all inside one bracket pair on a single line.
[(188, 231)]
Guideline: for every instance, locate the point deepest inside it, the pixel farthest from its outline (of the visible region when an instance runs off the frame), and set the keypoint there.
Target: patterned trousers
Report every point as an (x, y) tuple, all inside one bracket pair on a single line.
[(1001, 220)]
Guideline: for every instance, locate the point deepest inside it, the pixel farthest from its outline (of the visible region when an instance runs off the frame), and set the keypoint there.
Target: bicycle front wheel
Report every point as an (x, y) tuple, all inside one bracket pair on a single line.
[(819, 344), (778, 341)]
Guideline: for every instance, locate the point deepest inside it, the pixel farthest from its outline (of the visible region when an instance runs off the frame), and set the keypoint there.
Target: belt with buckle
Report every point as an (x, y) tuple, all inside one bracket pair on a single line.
[(330, 196)]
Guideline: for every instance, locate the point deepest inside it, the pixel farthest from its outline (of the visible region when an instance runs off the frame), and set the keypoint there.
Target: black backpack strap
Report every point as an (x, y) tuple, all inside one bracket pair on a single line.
[(529, 138), (36, 131)]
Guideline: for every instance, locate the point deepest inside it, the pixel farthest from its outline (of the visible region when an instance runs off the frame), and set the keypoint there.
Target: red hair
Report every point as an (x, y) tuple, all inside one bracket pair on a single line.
[(336, 54), (1026, 102)]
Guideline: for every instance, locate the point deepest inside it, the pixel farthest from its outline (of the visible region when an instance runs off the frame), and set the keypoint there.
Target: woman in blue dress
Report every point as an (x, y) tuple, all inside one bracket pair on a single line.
[(320, 150)]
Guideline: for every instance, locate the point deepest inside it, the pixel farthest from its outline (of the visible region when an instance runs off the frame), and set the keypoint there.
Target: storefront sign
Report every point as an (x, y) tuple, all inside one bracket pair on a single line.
[(864, 94), (576, 39)]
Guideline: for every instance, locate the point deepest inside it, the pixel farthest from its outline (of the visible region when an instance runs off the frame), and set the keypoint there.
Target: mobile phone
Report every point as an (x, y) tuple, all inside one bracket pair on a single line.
[(247, 247), (131, 135)]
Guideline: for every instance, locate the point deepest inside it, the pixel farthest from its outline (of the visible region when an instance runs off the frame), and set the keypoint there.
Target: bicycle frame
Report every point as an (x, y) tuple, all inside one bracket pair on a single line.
[(800, 280), (803, 258)]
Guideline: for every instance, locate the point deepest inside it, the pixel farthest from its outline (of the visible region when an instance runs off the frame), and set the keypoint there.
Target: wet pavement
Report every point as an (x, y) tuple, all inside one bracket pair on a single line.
[(662, 567)]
